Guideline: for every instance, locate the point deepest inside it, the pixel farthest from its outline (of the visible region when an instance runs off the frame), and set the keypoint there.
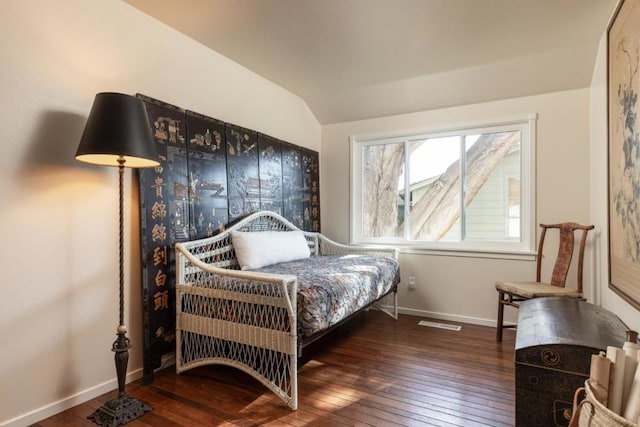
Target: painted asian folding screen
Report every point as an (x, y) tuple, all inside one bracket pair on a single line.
[(211, 173)]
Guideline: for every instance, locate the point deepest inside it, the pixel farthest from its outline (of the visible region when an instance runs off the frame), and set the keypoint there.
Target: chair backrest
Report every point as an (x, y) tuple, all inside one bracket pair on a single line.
[(565, 252)]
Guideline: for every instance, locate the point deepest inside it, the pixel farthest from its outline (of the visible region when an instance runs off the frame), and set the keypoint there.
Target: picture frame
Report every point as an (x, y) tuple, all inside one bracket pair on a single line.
[(623, 156)]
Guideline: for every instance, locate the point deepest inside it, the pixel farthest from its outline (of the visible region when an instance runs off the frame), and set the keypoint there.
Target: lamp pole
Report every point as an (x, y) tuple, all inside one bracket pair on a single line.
[(123, 408)]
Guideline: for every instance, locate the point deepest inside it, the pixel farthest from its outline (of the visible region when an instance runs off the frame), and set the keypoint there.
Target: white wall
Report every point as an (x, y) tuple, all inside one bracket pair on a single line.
[(463, 288), (58, 217), (599, 194)]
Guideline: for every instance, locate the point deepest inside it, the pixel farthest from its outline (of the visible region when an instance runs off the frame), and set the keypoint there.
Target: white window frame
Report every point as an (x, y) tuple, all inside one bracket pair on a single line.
[(526, 245)]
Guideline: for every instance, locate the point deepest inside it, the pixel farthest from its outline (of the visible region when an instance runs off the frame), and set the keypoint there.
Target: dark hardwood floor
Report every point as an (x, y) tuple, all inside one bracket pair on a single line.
[(371, 371)]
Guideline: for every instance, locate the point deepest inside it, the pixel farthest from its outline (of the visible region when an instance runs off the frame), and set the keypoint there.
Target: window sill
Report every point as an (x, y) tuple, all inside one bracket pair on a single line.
[(518, 256)]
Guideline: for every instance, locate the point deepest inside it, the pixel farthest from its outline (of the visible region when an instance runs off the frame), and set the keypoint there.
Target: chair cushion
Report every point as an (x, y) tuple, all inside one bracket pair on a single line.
[(536, 290)]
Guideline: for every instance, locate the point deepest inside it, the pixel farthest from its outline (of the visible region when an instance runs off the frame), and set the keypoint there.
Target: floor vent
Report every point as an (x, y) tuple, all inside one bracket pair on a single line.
[(440, 325)]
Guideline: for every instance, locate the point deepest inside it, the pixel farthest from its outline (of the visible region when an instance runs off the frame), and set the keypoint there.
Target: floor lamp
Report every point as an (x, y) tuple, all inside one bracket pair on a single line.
[(117, 133)]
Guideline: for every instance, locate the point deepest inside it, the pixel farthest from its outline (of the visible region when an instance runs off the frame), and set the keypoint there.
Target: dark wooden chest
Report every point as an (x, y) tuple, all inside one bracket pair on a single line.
[(554, 343)]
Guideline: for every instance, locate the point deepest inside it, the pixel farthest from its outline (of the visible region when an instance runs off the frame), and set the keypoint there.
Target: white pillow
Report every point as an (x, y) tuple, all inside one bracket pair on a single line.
[(262, 248)]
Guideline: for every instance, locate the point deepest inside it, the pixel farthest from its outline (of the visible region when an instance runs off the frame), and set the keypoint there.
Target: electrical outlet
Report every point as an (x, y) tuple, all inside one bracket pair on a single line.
[(412, 283)]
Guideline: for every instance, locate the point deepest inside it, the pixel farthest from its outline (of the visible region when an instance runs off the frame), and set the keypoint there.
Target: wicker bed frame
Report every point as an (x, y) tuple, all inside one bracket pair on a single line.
[(247, 319)]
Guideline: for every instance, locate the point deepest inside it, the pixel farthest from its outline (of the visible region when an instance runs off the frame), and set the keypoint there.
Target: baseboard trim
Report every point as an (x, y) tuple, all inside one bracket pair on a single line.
[(69, 402), (449, 317)]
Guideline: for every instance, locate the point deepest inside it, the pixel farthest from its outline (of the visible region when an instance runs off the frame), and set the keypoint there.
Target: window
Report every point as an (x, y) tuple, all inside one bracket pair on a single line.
[(468, 189)]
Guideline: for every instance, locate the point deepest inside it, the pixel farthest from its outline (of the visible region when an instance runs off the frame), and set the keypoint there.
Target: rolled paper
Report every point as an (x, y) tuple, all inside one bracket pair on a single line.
[(632, 408), (599, 377), (630, 349), (616, 378)]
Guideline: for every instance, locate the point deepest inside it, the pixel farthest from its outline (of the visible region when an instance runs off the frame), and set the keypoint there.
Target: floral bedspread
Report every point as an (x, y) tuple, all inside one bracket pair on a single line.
[(330, 288)]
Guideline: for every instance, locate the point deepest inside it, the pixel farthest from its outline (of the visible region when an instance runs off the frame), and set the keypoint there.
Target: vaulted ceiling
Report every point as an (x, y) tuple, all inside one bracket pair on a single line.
[(357, 59)]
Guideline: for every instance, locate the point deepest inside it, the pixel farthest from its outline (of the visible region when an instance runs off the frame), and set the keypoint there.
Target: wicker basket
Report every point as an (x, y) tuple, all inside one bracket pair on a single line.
[(591, 413)]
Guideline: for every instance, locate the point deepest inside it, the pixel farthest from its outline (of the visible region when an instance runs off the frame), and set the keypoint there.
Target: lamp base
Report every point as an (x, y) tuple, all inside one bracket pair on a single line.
[(118, 411)]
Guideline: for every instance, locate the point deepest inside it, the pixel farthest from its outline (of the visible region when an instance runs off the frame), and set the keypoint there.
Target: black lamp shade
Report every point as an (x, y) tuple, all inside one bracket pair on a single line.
[(118, 128)]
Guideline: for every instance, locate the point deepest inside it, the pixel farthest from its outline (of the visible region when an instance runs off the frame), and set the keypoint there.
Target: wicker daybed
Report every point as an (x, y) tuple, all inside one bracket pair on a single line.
[(259, 320)]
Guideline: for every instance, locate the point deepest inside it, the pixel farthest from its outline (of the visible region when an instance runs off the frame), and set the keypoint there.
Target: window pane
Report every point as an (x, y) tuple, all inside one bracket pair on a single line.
[(382, 203), (513, 187), (434, 170), (492, 176)]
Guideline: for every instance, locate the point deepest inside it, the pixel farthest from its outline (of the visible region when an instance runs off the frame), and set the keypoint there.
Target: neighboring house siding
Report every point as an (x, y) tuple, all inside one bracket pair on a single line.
[(487, 212)]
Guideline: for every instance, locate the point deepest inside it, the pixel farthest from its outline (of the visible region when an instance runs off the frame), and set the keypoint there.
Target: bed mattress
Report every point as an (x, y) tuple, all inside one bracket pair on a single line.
[(330, 288)]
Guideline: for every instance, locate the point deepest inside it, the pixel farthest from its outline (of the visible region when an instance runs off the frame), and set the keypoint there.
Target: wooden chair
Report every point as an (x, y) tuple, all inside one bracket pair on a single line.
[(511, 293)]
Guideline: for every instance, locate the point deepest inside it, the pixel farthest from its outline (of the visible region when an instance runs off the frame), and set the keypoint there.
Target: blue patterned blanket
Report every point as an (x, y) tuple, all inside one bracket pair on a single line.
[(330, 288)]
